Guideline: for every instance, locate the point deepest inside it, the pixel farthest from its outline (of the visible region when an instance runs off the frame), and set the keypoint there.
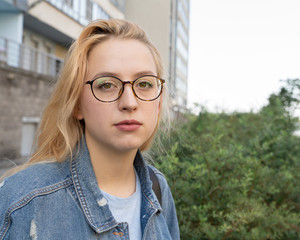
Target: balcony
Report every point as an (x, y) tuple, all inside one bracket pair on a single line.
[(21, 56), (80, 11), (13, 5), (62, 20), (120, 4)]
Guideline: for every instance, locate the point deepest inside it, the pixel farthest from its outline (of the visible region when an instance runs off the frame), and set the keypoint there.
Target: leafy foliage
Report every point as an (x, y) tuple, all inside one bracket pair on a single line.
[(236, 176)]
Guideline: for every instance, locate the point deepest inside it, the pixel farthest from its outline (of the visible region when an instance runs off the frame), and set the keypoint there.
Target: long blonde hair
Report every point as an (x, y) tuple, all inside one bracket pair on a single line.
[(60, 130)]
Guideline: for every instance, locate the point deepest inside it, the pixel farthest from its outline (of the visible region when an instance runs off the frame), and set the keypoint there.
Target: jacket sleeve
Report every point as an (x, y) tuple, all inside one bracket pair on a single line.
[(168, 206)]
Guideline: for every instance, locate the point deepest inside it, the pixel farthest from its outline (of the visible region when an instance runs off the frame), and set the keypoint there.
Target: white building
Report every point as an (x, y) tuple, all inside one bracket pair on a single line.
[(167, 24)]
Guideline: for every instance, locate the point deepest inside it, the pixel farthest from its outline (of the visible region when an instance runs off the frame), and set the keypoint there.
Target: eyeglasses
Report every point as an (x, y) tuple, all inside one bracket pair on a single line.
[(110, 88)]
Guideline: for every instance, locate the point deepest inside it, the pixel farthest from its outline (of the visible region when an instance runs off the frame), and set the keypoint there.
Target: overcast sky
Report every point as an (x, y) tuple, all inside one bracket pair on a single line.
[(240, 50)]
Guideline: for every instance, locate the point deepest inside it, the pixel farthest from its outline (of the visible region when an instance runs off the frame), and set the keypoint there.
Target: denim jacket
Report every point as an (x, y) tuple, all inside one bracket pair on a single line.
[(63, 201)]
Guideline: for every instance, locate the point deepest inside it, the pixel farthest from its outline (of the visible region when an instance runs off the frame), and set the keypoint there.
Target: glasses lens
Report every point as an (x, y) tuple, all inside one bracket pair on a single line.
[(107, 88), (147, 87)]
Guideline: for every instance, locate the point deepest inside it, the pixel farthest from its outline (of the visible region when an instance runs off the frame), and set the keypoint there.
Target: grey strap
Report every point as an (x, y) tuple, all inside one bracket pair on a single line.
[(155, 184)]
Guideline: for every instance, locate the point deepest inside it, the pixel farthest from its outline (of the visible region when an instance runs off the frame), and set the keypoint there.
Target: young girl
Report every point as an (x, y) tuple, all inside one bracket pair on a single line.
[(87, 178)]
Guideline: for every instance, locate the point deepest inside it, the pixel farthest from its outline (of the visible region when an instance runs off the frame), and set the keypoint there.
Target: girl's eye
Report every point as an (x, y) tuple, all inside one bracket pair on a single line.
[(105, 85), (145, 84)]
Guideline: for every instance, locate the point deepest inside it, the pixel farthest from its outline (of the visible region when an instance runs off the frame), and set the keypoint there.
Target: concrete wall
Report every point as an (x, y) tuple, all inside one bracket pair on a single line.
[(23, 95)]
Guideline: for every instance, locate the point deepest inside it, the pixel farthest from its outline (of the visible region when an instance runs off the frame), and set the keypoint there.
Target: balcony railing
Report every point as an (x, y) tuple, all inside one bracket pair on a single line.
[(120, 4), (17, 4), (21, 56), (81, 14)]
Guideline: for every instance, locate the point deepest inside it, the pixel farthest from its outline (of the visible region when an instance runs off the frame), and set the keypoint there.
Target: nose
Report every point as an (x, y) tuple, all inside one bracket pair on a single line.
[(128, 100)]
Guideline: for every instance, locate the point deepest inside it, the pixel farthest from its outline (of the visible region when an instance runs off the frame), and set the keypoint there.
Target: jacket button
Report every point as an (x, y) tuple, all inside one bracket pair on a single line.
[(102, 202), (120, 234)]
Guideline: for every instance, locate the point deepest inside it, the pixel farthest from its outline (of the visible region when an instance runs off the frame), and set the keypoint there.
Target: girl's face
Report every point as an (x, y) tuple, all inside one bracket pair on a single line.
[(104, 122)]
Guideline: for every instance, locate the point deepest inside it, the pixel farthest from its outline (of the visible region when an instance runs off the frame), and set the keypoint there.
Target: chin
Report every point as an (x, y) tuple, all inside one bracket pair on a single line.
[(128, 147)]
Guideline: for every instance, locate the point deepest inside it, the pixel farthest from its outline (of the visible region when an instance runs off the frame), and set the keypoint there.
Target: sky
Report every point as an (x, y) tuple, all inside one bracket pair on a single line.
[(239, 50)]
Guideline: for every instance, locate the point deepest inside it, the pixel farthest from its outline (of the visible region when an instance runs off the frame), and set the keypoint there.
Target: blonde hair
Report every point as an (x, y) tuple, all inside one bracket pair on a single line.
[(60, 130)]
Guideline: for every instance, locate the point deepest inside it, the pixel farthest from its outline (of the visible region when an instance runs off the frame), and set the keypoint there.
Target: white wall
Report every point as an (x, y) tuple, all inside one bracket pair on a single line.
[(11, 26), (153, 16)]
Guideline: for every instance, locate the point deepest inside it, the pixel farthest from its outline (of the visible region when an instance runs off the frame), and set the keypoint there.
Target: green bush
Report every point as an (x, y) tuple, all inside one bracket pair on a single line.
[(236, 176)]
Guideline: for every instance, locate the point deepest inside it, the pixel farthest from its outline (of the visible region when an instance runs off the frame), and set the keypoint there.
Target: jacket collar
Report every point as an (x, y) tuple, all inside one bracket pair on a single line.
[(92, 201)]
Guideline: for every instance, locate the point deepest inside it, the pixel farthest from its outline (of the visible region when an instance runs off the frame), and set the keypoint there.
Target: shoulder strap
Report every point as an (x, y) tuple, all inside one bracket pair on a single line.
[(155, 184)]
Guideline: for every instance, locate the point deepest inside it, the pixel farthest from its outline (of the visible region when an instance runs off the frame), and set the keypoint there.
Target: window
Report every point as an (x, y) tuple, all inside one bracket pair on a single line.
[(89, 10), (181, 85), (182, 13), (100, 13), (181, 48), (181, 66), (182, 32), (34, 54), (68, 3), (29, 128), (48, 61)]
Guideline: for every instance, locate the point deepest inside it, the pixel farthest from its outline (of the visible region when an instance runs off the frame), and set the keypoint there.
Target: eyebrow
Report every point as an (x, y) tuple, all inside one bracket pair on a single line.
[(136, 75)]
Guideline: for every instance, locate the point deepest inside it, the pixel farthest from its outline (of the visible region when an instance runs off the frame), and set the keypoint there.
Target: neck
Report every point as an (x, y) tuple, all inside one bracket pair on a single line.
[(114, 170)]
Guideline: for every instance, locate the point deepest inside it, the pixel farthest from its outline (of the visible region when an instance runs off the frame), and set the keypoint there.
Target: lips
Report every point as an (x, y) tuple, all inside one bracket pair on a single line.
[(128, 125)]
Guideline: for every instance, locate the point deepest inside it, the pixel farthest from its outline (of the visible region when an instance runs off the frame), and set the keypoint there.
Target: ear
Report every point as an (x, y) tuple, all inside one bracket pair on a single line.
[(77, 112), (160, 103)]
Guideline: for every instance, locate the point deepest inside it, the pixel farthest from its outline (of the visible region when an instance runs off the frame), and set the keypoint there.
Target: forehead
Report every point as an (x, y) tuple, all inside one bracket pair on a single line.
[(121, 56)]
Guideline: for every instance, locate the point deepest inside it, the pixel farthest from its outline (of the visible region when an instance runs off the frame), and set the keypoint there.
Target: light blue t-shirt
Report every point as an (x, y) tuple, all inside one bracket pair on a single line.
[(127, 210)]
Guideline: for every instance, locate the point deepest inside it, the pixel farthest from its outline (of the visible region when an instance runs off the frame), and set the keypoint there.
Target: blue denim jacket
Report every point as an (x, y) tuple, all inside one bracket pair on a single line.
[(63, 201)]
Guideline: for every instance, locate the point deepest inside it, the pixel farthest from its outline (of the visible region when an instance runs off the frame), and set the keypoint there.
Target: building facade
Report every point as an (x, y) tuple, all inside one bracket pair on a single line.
[(167, 24), (179, 56), (35, 36)]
